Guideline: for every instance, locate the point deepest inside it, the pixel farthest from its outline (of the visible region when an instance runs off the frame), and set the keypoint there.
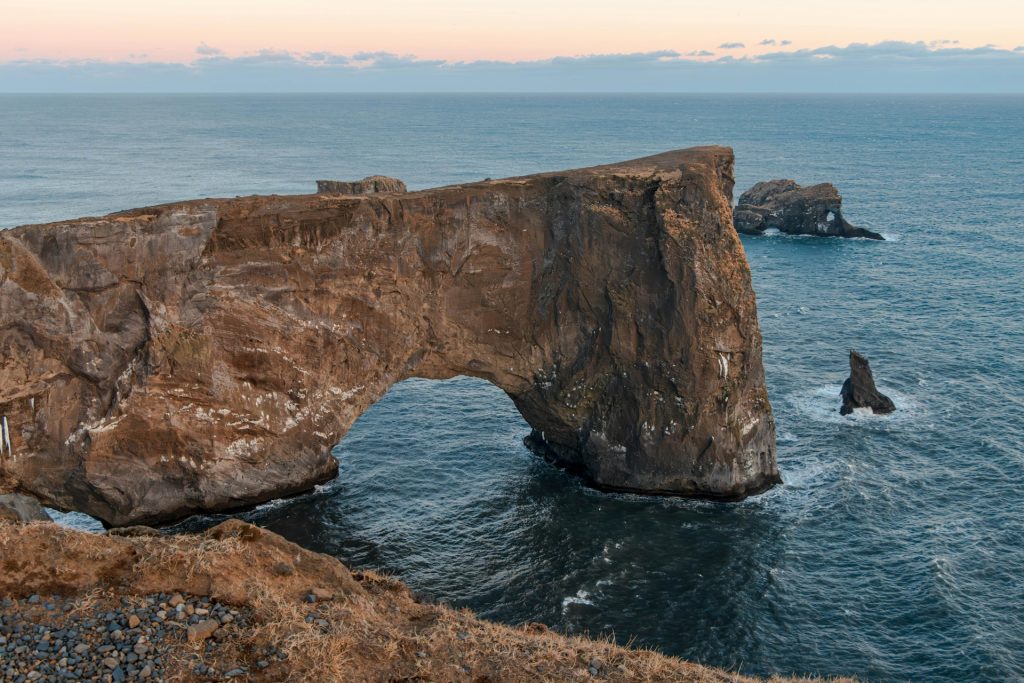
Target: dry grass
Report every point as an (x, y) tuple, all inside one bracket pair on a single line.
[(373, 629)]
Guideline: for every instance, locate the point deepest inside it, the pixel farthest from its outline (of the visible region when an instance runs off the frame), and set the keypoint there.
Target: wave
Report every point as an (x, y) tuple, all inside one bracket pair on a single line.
[(582, 597), (822, 404), (76, 520), (775, 233)]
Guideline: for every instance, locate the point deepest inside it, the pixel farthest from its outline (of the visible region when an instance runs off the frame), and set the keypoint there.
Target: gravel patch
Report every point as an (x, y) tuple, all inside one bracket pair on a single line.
[(49, 638)]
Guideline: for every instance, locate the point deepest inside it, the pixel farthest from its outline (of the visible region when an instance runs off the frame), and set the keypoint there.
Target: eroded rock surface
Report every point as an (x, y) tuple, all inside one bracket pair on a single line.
[(787, 207), (369, 185), (206, 355), (859, 389), (15, 507)]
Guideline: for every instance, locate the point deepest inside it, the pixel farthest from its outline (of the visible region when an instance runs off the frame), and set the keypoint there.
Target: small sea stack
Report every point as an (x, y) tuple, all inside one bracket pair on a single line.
[(785, 206), (859, 389)]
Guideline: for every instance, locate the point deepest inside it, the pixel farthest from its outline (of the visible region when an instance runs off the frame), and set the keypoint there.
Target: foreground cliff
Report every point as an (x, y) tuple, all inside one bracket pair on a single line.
[(240, 603), (207, 355)]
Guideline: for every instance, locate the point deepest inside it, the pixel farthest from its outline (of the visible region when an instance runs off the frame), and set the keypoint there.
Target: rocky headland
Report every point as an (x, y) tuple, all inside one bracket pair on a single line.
[(206, 355), (785, 206)]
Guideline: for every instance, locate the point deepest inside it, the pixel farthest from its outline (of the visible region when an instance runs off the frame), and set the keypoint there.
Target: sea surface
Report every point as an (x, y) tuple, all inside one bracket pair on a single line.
[(895, 549)]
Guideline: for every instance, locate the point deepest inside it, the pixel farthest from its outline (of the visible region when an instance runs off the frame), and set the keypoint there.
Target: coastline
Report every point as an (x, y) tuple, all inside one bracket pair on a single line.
[(285, 614)]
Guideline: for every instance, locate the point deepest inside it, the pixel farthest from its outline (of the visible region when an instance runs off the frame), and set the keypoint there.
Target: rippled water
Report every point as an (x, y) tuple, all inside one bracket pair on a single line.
[(894, 551)]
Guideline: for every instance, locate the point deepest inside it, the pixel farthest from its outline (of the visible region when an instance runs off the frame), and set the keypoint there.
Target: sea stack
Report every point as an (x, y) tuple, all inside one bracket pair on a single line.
[(787, 207), (859, 389), (207, 355)]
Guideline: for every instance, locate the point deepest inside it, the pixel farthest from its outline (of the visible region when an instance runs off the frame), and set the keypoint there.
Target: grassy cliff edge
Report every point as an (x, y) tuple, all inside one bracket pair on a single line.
[(322, 621)]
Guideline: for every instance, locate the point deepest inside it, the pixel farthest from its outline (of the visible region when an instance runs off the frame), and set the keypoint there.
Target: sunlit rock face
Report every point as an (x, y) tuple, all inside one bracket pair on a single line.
[(207, 355)]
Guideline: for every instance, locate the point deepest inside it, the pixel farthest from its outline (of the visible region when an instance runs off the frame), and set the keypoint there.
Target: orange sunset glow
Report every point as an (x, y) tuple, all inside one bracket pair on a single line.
[(462, 30)]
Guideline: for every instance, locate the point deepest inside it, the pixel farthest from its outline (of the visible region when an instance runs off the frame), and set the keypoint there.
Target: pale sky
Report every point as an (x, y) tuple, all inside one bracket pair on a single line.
[(466, 30)]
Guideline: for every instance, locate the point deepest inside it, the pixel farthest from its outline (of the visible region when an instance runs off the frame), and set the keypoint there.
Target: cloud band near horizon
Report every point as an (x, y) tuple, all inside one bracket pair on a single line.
[(886, 67)]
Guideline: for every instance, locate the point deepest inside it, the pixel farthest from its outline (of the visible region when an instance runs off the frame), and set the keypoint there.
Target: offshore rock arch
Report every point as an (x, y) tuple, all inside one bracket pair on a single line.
[(207, 355)]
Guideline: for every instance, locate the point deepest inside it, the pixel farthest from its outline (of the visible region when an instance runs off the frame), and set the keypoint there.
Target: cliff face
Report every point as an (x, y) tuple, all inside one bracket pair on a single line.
[(795, 210), (208, 354)]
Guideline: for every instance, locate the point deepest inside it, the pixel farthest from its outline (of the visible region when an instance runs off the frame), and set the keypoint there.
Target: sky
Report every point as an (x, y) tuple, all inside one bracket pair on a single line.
[(670, 45)]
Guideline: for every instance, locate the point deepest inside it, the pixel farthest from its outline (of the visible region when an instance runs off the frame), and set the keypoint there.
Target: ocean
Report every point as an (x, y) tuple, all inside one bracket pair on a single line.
[(895, 548)]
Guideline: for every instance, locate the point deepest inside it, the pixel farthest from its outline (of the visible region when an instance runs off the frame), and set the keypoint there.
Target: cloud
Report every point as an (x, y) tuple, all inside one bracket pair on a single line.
[(386, 60), (859, 67), (325, 58), (731, 46), (631, 57), (891, 52), (1019, 48), (786, 42), (767, 41), (207, 51)]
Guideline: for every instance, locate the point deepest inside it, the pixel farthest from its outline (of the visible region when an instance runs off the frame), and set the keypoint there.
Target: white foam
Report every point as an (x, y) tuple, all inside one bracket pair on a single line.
[(582, 597), (822, 404)]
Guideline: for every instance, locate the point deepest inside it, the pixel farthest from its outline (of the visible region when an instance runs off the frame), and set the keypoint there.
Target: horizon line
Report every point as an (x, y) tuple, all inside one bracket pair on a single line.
[(761, 93)]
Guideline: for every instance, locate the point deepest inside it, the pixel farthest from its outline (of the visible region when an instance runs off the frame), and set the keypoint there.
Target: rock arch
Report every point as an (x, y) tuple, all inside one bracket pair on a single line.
[(206, 355)]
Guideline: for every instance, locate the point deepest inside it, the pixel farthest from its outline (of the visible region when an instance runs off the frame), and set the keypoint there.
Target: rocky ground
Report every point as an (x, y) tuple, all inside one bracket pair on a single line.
[(103, 637), (240, 603)]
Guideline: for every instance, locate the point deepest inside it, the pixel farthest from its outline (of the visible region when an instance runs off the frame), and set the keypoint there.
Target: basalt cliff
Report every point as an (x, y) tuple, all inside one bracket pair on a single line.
[(206, 355)]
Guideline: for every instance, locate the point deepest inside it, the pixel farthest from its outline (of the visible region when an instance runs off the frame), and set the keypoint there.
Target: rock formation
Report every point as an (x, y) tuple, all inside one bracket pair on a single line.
[(207, 355), (795, 210), (15, 507), (859, 389), (368, 185)]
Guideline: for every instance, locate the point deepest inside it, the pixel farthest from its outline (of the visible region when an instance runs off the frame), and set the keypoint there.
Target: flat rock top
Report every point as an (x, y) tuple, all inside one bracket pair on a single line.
[(772, 191), (669, 163)]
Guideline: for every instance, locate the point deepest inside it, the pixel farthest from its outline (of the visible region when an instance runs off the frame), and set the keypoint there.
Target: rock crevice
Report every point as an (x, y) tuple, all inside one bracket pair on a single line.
[(206, 355)]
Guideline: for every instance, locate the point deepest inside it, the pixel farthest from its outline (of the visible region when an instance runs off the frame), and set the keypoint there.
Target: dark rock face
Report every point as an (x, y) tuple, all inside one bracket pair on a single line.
[(795, 210), (859, 389), (15, 507), (369, 185), (206, 355)]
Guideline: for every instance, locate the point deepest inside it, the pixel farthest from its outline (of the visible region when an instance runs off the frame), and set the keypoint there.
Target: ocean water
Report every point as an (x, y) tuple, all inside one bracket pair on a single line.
[(895, 549)]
